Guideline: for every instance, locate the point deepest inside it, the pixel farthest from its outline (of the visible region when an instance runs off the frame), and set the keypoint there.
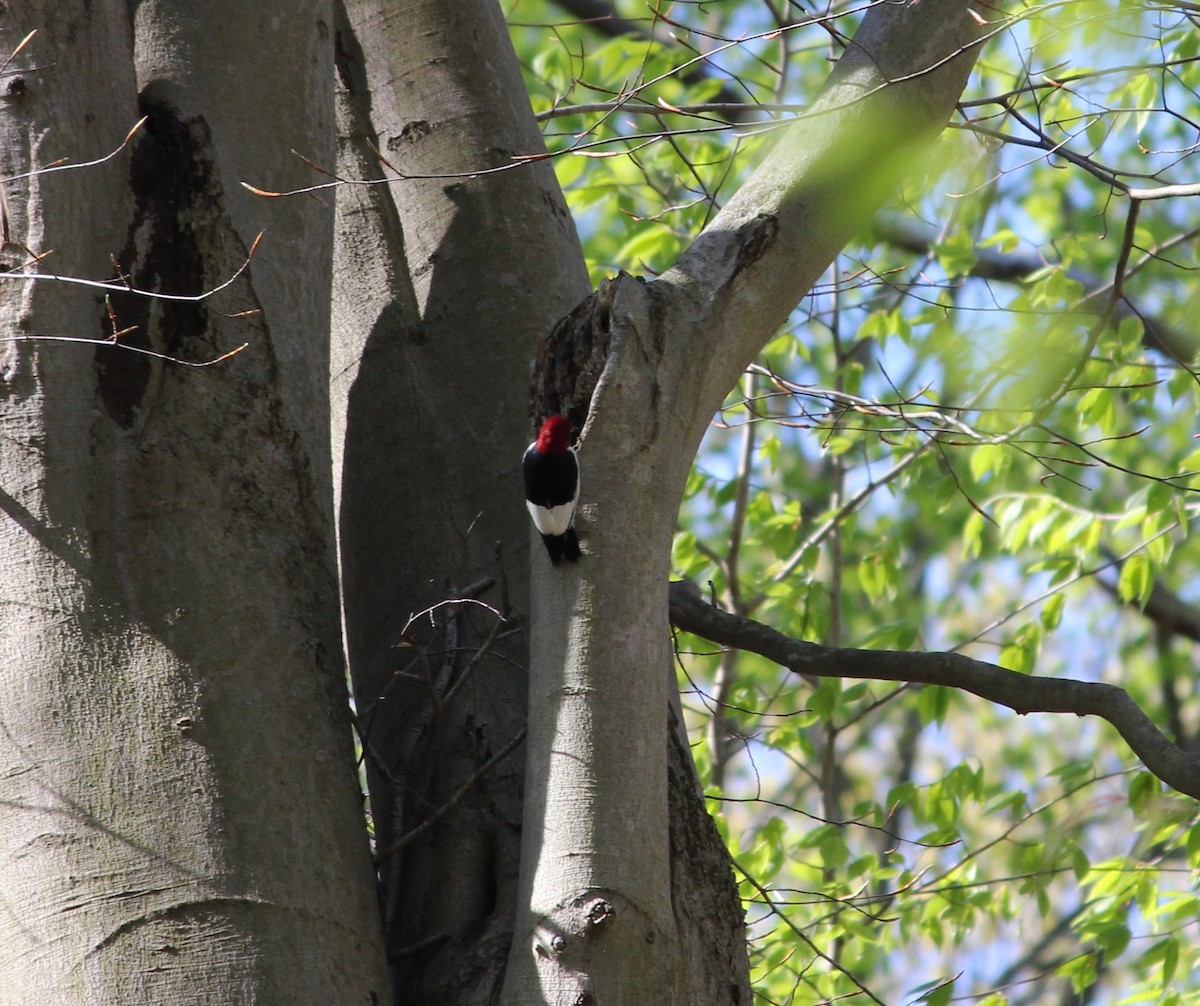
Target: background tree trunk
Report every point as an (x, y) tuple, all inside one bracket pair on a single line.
[(181, 823)]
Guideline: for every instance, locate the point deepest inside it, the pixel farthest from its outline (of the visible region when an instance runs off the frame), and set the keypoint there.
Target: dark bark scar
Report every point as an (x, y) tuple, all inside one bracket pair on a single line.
[(170, 177), (754, 239), (570, 358)]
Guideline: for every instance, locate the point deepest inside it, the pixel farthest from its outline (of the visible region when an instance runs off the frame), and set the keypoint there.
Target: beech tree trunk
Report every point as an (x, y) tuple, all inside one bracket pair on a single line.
[(179, 820), (444, 282)]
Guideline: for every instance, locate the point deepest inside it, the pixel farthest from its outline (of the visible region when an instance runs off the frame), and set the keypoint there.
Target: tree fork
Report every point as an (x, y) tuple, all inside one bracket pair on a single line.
[(595, 819)]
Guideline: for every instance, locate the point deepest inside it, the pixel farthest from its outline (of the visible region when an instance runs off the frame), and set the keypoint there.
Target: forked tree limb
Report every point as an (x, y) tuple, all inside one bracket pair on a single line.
[(1023, 693)]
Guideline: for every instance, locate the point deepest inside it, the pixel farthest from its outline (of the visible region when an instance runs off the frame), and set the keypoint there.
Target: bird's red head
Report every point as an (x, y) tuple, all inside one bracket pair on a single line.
[(555, 435)]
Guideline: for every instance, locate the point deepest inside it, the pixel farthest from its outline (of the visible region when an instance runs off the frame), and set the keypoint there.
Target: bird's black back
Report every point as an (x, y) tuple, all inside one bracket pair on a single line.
[(550, 479)]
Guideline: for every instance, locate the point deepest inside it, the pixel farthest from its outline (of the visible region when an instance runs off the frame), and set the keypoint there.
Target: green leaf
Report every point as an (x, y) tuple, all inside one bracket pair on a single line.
[(873, 578), (941, 995), (935, 993), (1052, 610), (1080, 865), (824, 699), (1081, 970), (1181, 384), (856, 691), (650, 249), (987, 459), (1193, 846), (1143, 93), (768, 450), (1074, 772), (1098, 406), (838, 443), (1113, 939), (892, 636), (903, 795), (1130, 337), (726, 492), (1164, 954), (1043, 901), (1143, 786), (1021, 653), (1003, 238), (1170, 960), (1159, 496), (834, 851), (972, 535), (766, 855), (932, 703), (1136, 580), (956, 254), (852, 376)]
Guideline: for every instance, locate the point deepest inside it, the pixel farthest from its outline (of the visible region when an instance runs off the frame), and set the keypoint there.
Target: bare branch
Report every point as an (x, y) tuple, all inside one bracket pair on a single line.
[(658, 111), (455, 798), (128, 348), (1164, 192), (66, 165), (120, 286), (1023, 693), (1013, 267)]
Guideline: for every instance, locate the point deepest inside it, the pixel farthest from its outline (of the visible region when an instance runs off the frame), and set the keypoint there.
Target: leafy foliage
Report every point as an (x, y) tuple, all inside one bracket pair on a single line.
[(978, 433)]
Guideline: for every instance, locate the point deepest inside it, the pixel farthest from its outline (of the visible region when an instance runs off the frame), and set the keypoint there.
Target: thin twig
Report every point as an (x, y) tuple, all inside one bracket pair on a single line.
[(454, 800), (73, 166), (124, 287), (33, 337)]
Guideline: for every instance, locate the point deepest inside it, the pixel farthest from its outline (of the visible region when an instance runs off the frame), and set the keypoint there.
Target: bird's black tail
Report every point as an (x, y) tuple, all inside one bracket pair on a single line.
[(559, 545)]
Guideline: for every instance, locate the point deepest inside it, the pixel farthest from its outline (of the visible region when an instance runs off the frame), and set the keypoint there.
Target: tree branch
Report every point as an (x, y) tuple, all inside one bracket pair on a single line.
[(889, 95), (1014, 267), (601, 15), (1021, 692)]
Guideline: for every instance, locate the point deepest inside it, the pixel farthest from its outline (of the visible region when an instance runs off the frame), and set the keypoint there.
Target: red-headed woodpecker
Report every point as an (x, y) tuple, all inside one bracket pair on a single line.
[(552, 487)]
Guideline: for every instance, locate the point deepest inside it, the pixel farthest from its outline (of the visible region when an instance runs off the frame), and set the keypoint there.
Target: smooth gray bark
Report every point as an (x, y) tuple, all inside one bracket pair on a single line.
[(179, 821), (444, 280)]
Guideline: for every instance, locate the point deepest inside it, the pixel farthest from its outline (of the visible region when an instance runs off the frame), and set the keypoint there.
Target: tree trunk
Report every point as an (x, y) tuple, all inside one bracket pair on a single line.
[(181, 823), (444, 281)]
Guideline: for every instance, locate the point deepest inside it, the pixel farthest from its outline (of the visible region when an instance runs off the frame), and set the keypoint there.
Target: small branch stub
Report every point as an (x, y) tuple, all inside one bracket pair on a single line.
[(569, 935), (600, 912)]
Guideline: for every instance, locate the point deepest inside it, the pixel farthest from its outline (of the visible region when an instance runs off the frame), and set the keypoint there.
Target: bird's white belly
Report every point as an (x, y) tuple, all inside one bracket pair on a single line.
[(551, 520)]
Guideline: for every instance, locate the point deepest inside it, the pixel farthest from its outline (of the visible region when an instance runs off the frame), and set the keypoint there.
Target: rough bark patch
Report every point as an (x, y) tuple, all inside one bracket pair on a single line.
[(570, 359)]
